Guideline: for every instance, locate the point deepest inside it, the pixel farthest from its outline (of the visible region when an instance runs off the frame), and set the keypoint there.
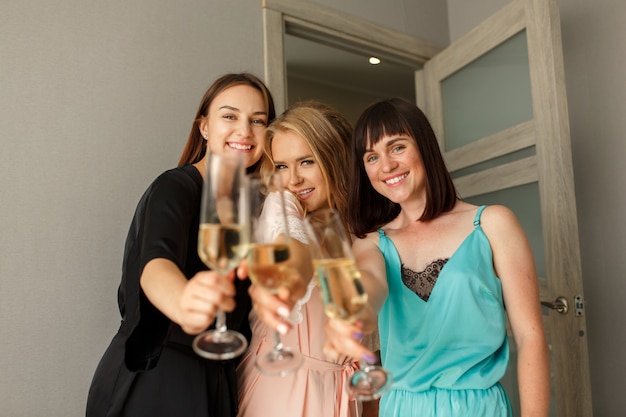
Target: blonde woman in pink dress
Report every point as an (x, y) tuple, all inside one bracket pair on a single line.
[(309, 145)]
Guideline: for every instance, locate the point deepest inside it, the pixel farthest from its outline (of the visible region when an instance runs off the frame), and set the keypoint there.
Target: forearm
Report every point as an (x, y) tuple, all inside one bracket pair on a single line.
[(533, 369), (163, 284), (192, 304), (376, 291)]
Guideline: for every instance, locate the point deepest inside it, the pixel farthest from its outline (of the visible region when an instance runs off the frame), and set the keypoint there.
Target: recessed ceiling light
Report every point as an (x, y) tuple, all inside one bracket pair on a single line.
[(374, 61)]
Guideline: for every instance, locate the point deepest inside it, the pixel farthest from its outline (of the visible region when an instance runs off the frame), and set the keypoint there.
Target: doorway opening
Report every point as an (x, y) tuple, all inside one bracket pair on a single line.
[(312, 52), (342, 78)]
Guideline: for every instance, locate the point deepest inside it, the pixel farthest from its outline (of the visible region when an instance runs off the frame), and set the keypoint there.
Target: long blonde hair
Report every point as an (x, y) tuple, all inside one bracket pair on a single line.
[(328, 134)]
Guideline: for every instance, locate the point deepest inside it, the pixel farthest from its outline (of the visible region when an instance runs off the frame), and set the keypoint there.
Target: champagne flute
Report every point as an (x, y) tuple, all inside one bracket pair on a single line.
[(342, 291), (269, 260), (222, 243)]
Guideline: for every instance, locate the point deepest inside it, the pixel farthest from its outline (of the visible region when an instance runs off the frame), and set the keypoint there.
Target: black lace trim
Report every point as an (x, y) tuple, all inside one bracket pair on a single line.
[(422, 283)]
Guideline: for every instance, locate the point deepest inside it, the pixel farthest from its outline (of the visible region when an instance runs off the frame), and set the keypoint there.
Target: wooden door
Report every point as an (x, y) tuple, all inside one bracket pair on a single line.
[(496, 98)]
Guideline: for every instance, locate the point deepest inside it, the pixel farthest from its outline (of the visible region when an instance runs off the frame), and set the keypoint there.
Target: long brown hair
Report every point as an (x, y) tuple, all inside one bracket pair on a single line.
[(327, 133), (369, 209), (195, 148)]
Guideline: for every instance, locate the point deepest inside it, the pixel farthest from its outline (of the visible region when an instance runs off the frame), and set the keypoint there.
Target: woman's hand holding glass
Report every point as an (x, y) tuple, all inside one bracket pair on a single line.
[(223, 239), (203, 296), (273, 308), (270, 264), (345, 300)]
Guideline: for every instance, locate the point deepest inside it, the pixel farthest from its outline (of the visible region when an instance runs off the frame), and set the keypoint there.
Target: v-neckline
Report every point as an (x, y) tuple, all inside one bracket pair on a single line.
[(436, 285)]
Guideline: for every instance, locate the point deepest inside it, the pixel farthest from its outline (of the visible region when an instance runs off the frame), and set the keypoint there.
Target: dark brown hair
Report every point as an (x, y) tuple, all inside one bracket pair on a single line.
[(195, 148), (370, 210)]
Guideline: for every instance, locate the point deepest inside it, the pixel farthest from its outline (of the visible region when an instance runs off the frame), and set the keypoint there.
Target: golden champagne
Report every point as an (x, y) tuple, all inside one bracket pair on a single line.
[(342, 290), (268, 266), (222, 247)]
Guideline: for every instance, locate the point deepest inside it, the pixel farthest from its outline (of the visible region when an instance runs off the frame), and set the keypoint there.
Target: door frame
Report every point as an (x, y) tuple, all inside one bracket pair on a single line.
[(319, 24)]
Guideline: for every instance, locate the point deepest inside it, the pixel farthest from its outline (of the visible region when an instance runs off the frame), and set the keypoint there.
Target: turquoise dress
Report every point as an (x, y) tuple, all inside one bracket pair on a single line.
[(447, 354)]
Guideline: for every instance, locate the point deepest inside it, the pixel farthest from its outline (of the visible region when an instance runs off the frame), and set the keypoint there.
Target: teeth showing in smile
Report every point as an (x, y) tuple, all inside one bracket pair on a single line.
[(396, 180), (305, 192), (240, 147)]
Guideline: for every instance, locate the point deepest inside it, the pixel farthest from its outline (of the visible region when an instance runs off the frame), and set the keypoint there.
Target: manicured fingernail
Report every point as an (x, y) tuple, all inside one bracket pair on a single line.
[(282, 328), (371, 359), (357, 335), (283, 311)]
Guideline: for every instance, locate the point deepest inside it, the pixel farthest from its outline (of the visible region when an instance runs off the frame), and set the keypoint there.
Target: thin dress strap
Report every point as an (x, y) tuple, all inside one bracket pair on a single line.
[(478, 213)]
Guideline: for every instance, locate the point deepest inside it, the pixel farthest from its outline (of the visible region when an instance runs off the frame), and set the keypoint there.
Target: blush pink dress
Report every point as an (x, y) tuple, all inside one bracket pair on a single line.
[(318, 387)]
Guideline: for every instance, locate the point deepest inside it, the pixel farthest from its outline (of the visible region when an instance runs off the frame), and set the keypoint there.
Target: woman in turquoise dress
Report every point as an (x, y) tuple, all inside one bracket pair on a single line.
[(442, 275)]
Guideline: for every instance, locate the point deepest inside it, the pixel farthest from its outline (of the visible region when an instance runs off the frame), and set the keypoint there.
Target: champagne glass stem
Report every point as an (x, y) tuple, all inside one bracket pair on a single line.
[(278, 344), (280, 360), (220, 321), (220, 316), (363, 365)]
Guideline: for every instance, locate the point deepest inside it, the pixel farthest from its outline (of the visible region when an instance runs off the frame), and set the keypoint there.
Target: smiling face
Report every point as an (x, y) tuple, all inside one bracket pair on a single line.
[(236, 122), (395, 168), (301, 173)]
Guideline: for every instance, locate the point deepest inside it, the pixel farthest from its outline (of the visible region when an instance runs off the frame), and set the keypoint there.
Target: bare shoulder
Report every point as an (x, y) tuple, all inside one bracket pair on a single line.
[(499, 221), (497, 215), (369, 242)]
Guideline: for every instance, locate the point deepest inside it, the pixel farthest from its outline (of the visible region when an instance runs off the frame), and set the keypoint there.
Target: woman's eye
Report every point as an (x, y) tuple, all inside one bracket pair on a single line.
[(261, 122), (307, 162), (398, 148), (229, 117), (370, 158), (280, 166)]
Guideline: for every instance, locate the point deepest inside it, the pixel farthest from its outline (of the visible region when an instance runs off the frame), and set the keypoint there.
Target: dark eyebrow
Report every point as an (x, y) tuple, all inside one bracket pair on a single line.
[(390, 142), (395, 140), (264, 113)]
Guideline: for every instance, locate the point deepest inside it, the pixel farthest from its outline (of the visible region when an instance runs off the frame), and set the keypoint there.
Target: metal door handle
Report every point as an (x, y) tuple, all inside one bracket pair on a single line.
[(560, 305)]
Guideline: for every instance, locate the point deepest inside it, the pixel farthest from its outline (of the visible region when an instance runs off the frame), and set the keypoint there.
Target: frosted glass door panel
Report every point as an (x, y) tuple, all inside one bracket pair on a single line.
[(490, 94)]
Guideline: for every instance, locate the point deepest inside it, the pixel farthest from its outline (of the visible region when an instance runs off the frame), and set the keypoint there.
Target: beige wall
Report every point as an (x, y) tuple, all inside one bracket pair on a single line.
[(594, 54), (595, 58), (96, 99)]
